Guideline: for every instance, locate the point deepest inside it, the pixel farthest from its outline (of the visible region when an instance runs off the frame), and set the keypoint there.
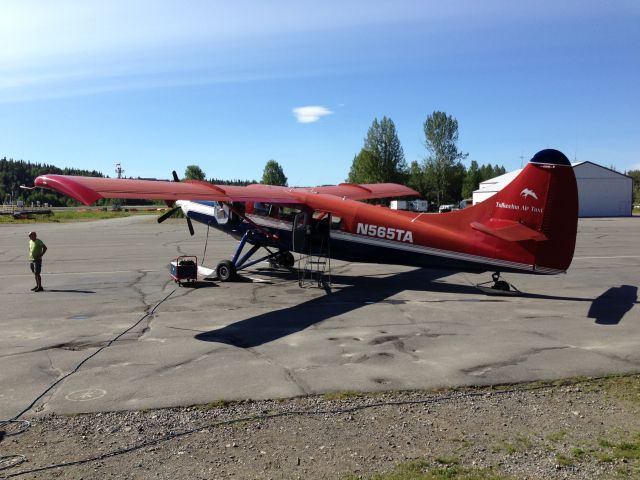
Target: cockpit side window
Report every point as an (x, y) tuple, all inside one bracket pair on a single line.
[(288, 213), (260, 208)]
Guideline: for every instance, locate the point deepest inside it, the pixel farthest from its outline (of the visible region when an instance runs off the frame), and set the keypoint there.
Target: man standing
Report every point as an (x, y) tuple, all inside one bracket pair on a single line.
[(37, 249)]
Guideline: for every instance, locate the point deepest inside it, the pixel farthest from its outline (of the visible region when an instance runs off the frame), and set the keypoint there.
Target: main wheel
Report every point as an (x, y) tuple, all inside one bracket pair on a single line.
[(286, 260), (225, 270)]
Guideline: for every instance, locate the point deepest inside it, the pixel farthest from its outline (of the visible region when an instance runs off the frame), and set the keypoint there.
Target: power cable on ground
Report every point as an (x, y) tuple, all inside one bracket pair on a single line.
[(9, 461)]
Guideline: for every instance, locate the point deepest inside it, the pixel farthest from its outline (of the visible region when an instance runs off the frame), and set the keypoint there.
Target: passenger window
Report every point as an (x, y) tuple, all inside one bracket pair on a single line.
[(261, 208), (287, 213)]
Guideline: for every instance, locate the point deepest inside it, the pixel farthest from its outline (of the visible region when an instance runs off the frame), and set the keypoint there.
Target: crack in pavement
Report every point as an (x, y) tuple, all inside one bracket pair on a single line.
[(481, 370), (288, 373), (72, 346), (173, 366), (134, 285), (610, 356), (55, 373)]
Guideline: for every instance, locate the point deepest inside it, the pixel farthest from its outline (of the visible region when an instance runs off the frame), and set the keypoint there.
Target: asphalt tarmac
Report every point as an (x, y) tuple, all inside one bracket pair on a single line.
[(379, 328)]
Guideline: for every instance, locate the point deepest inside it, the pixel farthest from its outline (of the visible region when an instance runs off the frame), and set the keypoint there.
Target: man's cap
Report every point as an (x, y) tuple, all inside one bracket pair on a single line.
[(31, 233)]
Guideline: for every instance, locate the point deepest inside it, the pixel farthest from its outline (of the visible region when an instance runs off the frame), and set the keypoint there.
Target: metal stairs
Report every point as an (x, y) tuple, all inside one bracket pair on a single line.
[(314, 266)]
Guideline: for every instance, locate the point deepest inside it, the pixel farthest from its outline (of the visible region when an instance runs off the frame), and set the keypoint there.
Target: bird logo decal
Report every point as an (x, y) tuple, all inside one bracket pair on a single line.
[(528, 193)]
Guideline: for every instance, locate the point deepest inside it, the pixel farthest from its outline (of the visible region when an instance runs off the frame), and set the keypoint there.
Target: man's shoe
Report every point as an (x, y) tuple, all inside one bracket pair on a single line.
[(39, 289), (34, 288)]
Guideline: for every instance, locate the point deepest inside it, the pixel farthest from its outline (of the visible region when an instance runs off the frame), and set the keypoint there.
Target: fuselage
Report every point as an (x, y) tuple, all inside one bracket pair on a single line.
[(372, 234)]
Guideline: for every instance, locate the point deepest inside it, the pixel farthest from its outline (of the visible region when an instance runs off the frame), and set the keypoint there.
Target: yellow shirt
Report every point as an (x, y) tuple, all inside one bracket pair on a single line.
[(36, 249)]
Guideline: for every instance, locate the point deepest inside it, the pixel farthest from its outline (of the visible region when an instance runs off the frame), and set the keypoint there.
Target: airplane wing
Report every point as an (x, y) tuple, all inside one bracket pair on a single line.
[(354, 191), (90, 189)]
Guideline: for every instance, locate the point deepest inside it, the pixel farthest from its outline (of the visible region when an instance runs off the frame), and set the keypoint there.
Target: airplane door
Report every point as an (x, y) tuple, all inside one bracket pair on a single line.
[(300, 233)]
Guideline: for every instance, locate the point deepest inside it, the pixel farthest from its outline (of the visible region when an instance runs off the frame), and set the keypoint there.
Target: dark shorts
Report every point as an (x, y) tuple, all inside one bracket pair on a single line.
[(36, 266)]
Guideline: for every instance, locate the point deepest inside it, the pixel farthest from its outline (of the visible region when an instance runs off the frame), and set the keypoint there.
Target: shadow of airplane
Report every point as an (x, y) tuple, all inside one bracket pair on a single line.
[(198, 284), (270, 326), (610, 307), (58, 290), (358, 292)]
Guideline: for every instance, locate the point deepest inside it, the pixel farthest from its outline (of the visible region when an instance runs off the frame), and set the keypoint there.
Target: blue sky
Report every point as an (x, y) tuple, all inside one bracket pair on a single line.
[(157, 85)]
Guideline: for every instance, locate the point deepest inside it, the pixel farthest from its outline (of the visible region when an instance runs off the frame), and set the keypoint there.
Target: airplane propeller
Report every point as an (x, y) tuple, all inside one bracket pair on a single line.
[(173, 210), (167, 214)]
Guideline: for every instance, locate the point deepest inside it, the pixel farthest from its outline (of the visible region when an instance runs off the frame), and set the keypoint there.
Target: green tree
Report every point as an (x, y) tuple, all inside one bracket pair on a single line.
[(635, 175), (382, 158), (364, 168), (453, 190), (236, 182), (417, 179), (499, 170), (471, 180), (489, 171), (194, 172), (273, 174), (441, 132)]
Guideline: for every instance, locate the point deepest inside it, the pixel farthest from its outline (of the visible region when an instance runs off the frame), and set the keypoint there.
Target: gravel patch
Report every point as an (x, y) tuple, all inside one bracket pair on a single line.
[(569, 430)]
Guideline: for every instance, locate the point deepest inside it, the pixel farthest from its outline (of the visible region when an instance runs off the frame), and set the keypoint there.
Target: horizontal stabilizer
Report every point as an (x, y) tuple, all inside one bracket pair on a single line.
[(510, 231)]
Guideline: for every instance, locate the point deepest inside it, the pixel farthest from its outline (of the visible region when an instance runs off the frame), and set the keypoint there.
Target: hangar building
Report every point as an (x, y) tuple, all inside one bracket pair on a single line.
[(601, 192)]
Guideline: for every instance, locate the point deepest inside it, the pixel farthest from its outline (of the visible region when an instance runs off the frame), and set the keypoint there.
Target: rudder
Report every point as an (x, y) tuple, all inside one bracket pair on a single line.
[(543, 198)]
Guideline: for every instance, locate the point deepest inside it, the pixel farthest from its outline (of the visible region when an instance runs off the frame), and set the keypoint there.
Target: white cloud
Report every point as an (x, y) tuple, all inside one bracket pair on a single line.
[(311, 113)]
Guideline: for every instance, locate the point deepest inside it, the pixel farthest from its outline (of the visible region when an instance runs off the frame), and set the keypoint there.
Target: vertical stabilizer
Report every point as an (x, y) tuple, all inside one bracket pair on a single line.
[(544, 199)]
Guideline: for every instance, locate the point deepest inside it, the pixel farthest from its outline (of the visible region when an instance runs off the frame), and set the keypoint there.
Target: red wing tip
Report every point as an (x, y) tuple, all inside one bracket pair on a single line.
[(67, 186)]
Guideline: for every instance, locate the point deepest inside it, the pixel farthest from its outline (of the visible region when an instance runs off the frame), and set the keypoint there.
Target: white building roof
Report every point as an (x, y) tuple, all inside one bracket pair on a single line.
[(585, 169), (496, 183), (601, 190)]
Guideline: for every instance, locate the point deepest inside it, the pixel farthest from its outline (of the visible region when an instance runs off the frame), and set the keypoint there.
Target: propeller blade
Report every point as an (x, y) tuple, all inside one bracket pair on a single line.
[(167, 214), (173, 210)]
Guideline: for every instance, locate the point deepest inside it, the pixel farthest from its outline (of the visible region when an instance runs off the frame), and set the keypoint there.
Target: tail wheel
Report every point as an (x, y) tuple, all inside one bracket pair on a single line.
[(226, 270), (501, 285)]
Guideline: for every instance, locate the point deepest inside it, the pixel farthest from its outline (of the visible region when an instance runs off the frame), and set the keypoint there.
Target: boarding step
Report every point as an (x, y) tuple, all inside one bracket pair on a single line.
[(314, 270)]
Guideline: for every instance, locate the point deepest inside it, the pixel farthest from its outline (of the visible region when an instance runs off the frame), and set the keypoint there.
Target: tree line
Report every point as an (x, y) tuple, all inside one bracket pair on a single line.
[(440, 178), (273, 174), (635, 175), (14, 173)]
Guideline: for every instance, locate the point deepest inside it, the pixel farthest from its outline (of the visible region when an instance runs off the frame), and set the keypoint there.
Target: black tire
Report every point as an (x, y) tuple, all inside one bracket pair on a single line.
[(501, 285), (226, 270), (286, 260)]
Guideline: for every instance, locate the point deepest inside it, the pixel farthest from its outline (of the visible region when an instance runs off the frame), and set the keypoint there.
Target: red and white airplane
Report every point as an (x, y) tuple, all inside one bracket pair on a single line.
[(528, 227)]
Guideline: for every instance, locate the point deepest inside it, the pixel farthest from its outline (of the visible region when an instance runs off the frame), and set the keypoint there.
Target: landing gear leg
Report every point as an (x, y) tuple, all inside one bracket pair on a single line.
[(228, 269), (499, 287)]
